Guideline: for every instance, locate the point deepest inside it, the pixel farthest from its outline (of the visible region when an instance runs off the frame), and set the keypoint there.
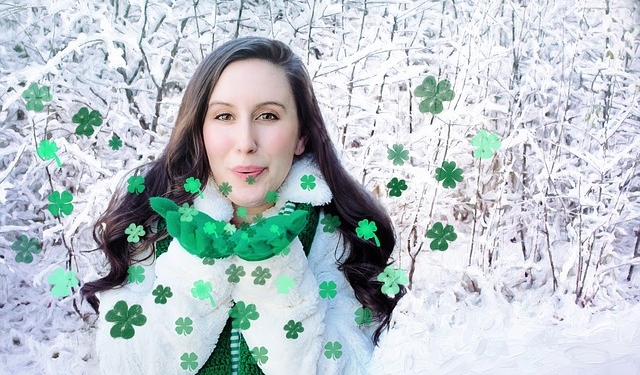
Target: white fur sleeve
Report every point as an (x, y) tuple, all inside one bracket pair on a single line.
[(167, 319)]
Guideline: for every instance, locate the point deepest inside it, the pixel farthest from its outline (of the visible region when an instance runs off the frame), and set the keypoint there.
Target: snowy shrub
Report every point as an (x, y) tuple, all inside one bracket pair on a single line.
[(502, 137)]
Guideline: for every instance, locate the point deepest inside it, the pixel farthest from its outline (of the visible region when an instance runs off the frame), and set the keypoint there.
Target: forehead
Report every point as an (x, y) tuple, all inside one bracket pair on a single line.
[(254, 79)]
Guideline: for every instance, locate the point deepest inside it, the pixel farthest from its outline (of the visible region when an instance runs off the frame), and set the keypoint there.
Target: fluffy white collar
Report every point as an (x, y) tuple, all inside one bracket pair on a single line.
[(219, 207)]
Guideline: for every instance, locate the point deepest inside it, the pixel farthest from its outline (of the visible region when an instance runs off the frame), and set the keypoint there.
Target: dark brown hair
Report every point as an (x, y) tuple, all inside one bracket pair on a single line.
[(185, 156)]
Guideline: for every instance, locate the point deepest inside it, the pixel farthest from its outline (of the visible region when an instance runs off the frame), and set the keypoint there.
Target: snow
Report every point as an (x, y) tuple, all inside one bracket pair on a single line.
[(538, 281)]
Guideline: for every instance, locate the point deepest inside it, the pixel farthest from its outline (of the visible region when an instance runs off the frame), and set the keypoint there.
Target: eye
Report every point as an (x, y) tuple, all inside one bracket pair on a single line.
[(223, 117), (267, 116)]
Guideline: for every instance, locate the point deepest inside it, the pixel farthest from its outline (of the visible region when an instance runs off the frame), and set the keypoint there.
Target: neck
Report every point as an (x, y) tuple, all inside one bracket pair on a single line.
[(251, 213)]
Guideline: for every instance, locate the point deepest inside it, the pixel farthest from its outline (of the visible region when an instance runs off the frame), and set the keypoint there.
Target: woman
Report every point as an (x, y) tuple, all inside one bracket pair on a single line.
[(250, 131)]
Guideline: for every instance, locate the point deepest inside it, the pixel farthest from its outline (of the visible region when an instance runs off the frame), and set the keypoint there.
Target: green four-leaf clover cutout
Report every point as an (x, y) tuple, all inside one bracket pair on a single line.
[(392, 279), (441, 236), (47, 150), (293, 329), (184, 326), (60, 203), (192, 185), (225, 189), (485, 143), (25, 248), (162, 294), (434, 93), (308, 182), (367, 230), (330, 223), (328, 289), (261, 275), (86, 121), (363, 316), (189, 361), (62, 281), (242, 315), (396, 187), (202, 291), (449, 174), (135, 184), (235, 273), (397, 154), (35, 95), (284, 284), (115, 142), (134, 233), (125, 318), (135, 274), (259, 355), (333, 350)]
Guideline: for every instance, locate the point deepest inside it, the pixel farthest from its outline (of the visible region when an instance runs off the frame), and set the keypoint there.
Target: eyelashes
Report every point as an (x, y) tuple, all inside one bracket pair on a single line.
[(266, 116)]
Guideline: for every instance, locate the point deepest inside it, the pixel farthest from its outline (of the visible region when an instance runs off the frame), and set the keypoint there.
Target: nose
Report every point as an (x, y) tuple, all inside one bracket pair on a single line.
[(246, 141)]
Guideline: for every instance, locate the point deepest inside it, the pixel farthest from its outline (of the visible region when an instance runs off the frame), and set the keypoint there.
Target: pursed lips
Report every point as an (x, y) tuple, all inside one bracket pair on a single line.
[(245, 171)]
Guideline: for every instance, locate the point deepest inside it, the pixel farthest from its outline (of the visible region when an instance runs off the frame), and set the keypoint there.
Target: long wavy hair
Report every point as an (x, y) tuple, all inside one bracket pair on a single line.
[(185, 156)]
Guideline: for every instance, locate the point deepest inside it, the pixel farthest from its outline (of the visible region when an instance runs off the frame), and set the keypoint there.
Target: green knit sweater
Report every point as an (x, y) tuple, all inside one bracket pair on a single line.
[(219, 361)]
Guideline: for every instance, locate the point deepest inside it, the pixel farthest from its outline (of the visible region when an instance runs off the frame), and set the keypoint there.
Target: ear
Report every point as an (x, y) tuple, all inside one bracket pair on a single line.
[(302, 141)]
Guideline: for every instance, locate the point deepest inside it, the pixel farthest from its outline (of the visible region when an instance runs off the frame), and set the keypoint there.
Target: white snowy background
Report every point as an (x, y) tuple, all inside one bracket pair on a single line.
[(540, 279)]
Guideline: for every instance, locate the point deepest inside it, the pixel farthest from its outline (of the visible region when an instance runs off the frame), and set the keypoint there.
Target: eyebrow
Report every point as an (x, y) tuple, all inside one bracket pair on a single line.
[(215, 102)]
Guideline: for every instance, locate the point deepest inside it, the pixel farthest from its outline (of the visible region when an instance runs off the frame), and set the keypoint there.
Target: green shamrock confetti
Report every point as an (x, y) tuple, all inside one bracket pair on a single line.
[(242, 212), (60, 203), (392, 279), (134, 233), (293, 328), (47, 151), (189, 361), (187, 212), (86, 121), (225, 189), (261, 275), (250, 180), (135, 184), (308, 182), (367, 230), (115, 142), (135, 274), (434, 94), (162, 294), (397, 154), (259, 355), (184, 326), (330, 223), (208, 261), (272, 196), (25, 248), (192, 185), (396, 187), (449, 174), (485, 143), (35, 95), (243, 314), (441, 235), (333, 350), (364, 316), (62, 281), (125, 318), (328, 289), (202, 291), (257, 218), (235, 273), (284, 284)]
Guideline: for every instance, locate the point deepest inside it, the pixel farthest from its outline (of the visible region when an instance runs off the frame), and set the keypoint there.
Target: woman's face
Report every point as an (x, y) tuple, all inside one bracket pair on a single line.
[(251, 132)]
